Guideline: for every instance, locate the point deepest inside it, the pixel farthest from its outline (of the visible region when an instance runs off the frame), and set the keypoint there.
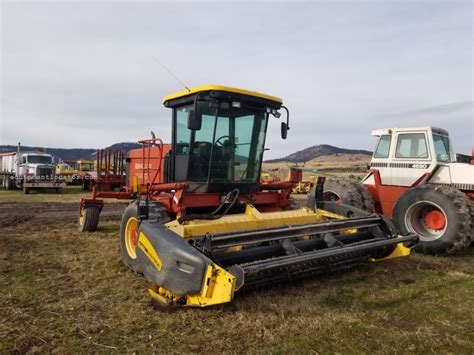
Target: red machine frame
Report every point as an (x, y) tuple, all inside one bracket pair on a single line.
[(136, 183)]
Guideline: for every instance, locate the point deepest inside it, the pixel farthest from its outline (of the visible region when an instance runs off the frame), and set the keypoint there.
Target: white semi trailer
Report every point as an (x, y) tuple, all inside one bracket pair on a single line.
[(28, 171)]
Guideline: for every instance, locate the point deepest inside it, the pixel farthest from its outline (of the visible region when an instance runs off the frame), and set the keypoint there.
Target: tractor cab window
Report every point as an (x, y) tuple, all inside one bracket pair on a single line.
[(412, 146), (441, 145), (229, 145), (183, 134), (86, 167), (383, 147)]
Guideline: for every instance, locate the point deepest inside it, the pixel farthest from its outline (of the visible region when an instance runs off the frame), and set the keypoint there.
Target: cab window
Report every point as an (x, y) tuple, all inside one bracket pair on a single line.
[(441, 145), (383, 147), (183, 134), (411, 145)]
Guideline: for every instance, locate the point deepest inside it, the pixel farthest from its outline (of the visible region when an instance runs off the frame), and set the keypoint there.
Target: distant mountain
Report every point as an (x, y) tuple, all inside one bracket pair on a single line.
[(72, 153), (317, 151)]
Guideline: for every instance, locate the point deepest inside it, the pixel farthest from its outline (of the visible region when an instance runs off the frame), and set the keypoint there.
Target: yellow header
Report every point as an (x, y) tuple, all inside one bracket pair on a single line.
[(208, 87)]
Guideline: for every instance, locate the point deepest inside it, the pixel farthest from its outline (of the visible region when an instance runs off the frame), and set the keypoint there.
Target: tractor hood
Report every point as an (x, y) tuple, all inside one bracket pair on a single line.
[(458, 175)]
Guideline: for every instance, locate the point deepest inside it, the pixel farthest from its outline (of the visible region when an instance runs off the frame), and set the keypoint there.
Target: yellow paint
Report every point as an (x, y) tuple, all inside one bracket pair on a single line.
[(132, 224), (209, 87), (135, 183), (145, 245), (218, 287), (399, 251), (81, 216), (251, 219), (160, 298)]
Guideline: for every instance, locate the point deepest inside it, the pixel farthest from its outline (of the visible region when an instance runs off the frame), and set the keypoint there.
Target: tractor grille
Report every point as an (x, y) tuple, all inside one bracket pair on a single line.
[(44, 173)]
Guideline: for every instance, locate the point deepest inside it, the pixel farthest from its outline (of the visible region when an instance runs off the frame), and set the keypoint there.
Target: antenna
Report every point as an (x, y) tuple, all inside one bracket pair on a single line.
[(170, 73)]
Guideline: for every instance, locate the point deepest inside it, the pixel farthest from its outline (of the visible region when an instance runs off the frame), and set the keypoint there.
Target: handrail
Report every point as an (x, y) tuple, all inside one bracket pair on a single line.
[(148, 143)]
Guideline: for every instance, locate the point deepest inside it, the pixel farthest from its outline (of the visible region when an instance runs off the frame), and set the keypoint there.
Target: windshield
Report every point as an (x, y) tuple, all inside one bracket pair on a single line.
[(39, 159), (441, 145), (86, 167), (229, 145)]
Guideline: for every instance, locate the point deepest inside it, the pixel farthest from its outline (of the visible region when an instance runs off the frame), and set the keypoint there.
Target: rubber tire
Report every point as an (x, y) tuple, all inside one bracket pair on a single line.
[(457, 207), (351, 193), (132, 264), (91, 219)]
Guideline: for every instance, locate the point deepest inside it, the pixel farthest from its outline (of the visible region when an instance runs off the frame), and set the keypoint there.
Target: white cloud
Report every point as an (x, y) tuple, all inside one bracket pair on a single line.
[(83, 75)]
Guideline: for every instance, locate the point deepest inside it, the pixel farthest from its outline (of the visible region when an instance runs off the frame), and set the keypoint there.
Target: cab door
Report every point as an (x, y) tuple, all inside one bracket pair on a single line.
[(411, 159), (381, 157)]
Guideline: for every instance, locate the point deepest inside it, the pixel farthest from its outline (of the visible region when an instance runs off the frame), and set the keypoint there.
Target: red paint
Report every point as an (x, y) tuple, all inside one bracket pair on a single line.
[(148, 165), (134, 237), (435, 220)]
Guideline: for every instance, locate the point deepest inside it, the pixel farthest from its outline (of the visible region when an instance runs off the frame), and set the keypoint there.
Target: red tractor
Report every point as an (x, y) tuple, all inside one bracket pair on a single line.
[(415, 179), (200, 225)]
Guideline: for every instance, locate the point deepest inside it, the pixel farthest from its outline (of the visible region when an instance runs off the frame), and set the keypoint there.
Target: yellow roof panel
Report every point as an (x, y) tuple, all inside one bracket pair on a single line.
[(209, 87)]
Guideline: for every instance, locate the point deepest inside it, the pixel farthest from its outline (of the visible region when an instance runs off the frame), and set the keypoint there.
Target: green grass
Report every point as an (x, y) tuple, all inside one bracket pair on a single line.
[(63, 291), (68, 194)]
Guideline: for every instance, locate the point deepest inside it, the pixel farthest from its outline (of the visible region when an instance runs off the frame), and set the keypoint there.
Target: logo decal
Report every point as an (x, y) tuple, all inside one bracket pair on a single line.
[(145, 245), (420, 166)]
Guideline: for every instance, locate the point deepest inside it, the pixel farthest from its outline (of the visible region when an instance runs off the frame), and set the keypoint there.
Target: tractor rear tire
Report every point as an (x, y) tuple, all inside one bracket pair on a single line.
[(347, 193), (440, 215), (89, 218), (129, 237)]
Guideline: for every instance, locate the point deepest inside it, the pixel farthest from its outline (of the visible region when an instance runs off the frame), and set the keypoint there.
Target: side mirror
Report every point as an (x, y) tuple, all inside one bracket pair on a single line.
[(284, 130), (194, 121)]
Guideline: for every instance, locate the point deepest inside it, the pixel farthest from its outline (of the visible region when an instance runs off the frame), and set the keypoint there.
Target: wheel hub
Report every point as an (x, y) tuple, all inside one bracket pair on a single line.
[(427, 219), (134, 236), (435, 220), (131, 237)]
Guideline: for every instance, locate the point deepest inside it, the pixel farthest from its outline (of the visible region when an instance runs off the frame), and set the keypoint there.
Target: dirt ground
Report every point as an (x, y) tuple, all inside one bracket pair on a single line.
[(63, 291), (42, 213)]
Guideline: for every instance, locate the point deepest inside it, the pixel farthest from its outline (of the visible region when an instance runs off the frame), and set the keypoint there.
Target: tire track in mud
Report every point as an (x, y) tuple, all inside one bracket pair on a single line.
[(41, 213)]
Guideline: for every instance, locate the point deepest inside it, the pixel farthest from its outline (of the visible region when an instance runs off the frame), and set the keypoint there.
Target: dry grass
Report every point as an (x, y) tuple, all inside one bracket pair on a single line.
[(65, 292), (69, 194), (343, 165)]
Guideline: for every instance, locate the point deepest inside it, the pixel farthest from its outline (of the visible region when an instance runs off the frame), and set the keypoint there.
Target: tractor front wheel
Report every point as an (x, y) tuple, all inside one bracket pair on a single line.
[(440, 215), (129, 237), (89, 218)]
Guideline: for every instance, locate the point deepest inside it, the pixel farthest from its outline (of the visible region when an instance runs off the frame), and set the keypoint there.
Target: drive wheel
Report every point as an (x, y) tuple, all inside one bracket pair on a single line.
[(129, 237), (89, 218), (347, 193), (440, 215)]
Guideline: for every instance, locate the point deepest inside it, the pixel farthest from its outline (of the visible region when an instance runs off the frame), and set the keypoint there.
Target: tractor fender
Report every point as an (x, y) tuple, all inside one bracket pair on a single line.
[(169, 261)]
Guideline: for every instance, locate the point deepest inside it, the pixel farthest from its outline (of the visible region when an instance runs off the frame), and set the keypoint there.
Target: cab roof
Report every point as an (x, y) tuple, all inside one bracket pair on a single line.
[(385, 131), (213, 87)]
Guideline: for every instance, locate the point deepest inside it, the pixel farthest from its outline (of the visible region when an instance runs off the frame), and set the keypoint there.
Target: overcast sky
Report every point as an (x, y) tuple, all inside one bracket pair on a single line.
[(83, 75)]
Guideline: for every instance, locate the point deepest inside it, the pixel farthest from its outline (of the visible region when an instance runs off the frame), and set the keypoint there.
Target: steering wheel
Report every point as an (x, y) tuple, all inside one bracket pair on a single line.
[(218, 141)]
